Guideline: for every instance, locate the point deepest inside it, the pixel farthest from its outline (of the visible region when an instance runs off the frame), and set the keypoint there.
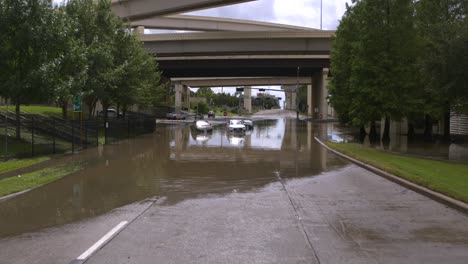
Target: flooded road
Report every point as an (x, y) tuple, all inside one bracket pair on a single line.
[(272, 195), (175, 162)]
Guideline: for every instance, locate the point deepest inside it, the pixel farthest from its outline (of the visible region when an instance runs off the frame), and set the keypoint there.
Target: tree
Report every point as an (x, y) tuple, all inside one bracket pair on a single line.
[(374, 73), (65, 71), (442, 26), (26, 48), (205, 92)]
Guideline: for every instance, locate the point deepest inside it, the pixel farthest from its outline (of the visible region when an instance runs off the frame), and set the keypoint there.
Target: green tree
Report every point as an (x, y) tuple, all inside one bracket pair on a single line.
[(373, 62), (26, 37), (205, 92), (442, 25), (65, 70)]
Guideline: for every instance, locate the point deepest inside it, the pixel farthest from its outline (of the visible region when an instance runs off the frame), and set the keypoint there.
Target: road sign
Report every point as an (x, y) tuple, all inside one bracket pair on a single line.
[(77, 103)]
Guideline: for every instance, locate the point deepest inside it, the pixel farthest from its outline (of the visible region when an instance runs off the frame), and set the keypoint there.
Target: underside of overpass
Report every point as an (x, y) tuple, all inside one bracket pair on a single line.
[(231, 48)]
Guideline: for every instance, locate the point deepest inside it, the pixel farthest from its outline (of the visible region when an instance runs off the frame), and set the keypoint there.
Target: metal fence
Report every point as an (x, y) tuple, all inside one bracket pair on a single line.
[(42, 135)]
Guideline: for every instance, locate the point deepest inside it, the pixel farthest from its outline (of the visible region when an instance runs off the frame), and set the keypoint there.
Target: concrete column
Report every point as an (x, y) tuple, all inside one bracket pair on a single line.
[(139, 31), (320, 93), (187, 97), (323, 104), (248, 99), (293, 101), (178, 97), (309, 100)]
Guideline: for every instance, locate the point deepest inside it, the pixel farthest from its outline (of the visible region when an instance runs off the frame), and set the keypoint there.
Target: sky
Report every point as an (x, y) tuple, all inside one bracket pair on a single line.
[(305, 13)]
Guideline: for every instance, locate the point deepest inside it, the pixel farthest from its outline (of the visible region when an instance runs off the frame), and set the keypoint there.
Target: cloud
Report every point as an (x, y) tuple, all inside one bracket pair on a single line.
[(304, 13)]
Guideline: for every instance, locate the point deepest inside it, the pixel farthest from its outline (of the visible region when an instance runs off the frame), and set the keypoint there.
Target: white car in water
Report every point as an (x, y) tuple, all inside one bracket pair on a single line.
[(202, 125), (236, 125)]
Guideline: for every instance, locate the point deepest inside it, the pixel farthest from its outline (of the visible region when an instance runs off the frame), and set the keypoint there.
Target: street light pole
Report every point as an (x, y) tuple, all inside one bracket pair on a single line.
[(321, 14)]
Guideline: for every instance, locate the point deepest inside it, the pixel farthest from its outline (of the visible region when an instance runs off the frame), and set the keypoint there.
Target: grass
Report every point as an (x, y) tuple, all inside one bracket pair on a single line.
[(37, 178), (448, 178), (19, 148), (21, 163), (34, 109)]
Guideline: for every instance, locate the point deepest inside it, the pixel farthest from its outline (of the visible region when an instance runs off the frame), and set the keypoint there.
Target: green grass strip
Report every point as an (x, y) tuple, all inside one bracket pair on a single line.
[(37, 178), (447, 178), (33, 109), (20, 163)]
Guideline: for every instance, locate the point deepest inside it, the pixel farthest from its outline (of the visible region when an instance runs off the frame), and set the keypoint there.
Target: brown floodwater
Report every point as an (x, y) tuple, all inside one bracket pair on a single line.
[(175, 163)]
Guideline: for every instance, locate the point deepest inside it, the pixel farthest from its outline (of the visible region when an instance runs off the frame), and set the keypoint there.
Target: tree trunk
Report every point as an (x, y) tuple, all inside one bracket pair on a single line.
[(386, 132), (447, 125), (18, 122), (124, 110), (362, 134), (411, 132), (118, 110), (373, 132), (105, 106), (427, 127), (64, 105)]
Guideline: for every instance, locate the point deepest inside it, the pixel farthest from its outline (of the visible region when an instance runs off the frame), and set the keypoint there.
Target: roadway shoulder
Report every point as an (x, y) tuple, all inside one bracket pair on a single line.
[(444, 199)]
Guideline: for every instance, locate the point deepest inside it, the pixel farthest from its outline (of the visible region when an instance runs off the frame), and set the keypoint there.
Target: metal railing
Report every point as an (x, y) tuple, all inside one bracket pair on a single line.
[(44, 135)]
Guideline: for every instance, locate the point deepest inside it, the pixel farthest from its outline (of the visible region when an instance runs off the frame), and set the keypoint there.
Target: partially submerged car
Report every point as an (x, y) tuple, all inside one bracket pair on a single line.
[(211, 114), (236, 125), (175, 116), (248, 124), (202, 125)]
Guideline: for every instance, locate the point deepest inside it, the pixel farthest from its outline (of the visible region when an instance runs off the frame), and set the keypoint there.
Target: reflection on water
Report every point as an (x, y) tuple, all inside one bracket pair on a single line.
[(175, 163), (399, 143)]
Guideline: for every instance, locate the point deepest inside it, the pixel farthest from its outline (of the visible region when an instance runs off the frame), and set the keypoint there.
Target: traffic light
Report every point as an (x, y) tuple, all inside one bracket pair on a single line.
[(261, 90), (239, 89)]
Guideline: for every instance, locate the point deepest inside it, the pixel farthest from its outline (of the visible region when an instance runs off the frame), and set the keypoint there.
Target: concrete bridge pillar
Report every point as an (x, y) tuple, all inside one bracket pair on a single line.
[(293, 105), (248, 99), (187, 97), (178, 97), (309, 100), (139, 31), (320, 93)]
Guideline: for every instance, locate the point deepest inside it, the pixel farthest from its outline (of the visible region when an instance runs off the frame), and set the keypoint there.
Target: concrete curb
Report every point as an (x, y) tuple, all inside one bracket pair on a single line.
[(441, 198), (9, 196)]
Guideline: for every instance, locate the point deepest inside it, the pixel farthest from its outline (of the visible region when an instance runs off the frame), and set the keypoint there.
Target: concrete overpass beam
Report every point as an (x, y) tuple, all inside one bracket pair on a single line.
[(141, 9), (201, 23), (248, 99)]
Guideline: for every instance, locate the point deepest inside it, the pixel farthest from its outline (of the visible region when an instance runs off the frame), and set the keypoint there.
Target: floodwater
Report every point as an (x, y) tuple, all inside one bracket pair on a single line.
[(434, 149), (175, 163)]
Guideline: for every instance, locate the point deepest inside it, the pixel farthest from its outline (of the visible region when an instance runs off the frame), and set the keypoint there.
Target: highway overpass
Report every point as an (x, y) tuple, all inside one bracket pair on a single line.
[(231, 48)]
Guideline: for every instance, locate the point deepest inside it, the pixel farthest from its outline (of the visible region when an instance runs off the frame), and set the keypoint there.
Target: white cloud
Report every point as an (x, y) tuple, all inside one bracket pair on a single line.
[(305, 13)]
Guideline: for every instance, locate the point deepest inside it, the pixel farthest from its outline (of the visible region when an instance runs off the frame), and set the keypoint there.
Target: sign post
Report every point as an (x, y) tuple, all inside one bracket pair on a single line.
[(78, 107)]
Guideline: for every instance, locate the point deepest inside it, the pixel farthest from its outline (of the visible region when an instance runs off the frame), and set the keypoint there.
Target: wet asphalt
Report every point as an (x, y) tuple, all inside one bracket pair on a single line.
[(270, 196)]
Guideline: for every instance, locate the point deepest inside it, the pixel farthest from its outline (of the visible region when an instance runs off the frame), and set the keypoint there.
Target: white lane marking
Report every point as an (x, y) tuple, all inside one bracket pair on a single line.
[(102, 241)]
